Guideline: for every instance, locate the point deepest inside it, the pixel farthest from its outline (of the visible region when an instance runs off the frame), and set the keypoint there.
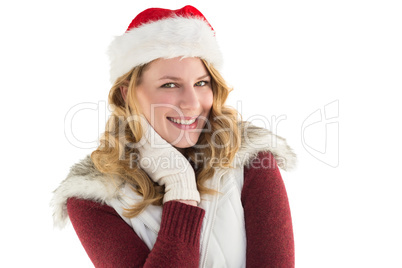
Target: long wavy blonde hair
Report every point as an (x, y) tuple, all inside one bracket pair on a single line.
[(217, 144)]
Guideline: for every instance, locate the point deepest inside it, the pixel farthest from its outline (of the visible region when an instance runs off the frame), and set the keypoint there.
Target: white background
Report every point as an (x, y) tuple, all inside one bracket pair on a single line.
[(284, 59)]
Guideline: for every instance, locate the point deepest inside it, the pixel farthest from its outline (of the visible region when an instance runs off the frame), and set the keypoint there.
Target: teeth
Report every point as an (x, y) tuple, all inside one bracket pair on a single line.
[(183, 122)]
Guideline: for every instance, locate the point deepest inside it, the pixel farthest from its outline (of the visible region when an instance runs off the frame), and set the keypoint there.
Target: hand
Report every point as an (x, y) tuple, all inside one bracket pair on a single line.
[(188, 202), (167, 166)]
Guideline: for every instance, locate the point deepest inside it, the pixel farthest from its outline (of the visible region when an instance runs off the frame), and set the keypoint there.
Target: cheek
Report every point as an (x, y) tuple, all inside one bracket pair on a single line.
[(142, 100), (146, 99), (158, 97), (207, 100)]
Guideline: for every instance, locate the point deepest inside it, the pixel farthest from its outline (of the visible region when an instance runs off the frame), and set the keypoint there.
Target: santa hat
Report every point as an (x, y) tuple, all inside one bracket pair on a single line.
[(163, 33)]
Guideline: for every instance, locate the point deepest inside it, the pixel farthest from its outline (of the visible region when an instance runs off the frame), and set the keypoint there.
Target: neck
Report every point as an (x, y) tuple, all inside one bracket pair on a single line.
[(181, 150)]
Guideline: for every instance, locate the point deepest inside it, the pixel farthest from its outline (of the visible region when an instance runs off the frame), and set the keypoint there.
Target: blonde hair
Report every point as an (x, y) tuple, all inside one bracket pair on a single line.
[(218, 143)]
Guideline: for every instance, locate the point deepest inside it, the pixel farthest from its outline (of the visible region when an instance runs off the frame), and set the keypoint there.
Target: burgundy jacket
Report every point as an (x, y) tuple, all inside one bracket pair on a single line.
[(110, 242)]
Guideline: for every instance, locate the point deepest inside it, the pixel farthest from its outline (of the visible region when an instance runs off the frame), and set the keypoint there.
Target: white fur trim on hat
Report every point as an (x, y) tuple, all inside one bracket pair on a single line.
[(167, 38)]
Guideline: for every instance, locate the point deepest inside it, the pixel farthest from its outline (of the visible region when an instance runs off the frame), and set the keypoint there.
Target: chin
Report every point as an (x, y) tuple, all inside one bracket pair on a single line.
[(185, 142)]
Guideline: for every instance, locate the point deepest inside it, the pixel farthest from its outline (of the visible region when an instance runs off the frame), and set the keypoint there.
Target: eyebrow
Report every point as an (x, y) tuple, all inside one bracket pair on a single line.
[(178, 79)]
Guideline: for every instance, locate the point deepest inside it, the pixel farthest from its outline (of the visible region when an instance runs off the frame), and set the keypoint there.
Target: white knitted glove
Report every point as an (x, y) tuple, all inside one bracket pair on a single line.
[(167, 166)]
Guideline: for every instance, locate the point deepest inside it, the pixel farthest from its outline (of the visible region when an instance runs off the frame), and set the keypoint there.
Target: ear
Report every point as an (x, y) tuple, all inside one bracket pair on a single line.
[(123, 90)]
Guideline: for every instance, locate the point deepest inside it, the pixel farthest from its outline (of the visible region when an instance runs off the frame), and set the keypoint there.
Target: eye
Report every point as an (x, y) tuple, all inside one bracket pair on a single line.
[(168, 85), (201, 83)]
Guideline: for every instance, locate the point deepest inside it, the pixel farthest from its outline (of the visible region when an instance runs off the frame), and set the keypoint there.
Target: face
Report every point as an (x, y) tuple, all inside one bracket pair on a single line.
[(176, 97)]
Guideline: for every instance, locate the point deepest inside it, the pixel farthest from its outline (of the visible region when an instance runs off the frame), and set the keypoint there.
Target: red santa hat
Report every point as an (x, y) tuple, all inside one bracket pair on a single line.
[(163, 33)]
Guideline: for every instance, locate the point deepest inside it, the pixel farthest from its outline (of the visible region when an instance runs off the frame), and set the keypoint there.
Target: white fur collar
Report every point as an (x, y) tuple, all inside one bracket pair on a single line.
[(86, 182)]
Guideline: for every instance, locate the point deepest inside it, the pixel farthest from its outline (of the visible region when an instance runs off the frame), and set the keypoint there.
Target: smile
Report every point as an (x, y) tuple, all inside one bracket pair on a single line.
[(182, 121)]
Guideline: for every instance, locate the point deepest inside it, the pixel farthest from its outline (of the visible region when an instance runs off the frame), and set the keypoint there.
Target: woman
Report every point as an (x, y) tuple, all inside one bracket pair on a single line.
[(178, 180)]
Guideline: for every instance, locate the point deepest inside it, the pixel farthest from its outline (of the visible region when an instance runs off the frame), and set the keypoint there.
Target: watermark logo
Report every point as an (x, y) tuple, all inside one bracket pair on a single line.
[(100, 107), (320, 134), (319, 131)]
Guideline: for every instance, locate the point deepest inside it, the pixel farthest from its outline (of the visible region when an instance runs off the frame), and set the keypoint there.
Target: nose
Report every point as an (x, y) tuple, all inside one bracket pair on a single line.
[(189, 99)]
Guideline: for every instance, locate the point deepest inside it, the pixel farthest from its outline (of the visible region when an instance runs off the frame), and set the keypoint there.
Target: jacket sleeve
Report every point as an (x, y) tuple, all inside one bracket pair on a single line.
[(110, 242), (267, 215)]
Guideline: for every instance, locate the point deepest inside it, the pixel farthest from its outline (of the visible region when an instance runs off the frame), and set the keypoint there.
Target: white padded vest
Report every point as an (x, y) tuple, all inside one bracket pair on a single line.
[(223, 236)]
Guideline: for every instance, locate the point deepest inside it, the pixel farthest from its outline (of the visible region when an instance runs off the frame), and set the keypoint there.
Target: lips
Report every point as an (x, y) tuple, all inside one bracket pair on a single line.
[(183, 121)]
